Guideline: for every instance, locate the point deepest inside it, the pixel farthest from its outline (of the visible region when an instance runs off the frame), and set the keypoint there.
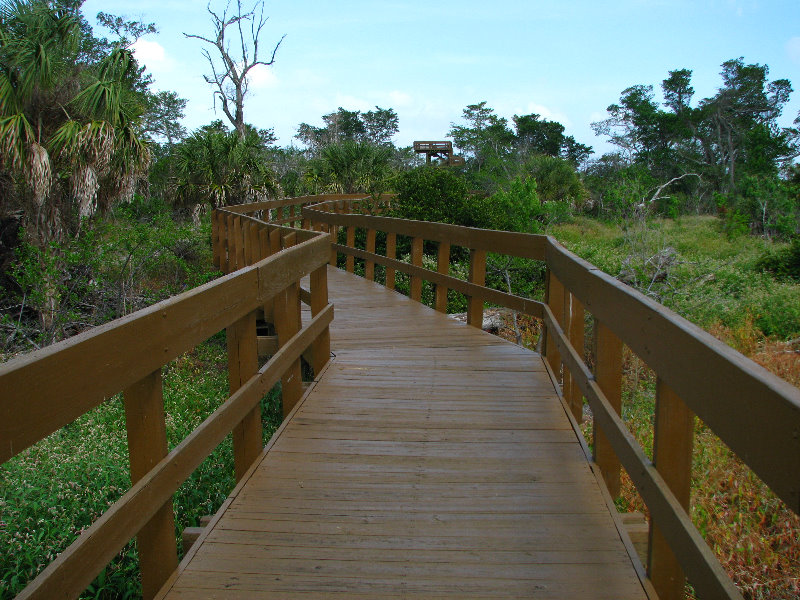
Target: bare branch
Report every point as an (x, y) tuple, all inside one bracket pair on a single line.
[(231, 80), (661, 188)]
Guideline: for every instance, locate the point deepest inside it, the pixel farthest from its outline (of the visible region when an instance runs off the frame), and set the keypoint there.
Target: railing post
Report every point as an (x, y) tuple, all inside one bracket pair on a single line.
[(391, 252), (369, 266), (554, 298), (215, 241), (574, 395), (247, 244), (321, 348), (242, 365), (287, 324), (350, 260), (266, 250), (223, 241), (415, 284), (477, 275), (231, 233), (147, 445), (334, 229), (238, 235), (442, 267), (672, 456), (608, 374)]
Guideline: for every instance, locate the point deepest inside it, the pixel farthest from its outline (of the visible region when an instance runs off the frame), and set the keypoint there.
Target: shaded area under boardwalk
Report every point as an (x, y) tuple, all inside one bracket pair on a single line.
[(429, 460)]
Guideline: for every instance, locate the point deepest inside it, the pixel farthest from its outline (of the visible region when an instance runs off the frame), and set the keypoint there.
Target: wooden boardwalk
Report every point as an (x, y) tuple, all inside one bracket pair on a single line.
[(430, 460)]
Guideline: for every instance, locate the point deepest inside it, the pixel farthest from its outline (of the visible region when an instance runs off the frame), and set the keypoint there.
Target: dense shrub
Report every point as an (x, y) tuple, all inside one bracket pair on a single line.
[(784, 263), (765, 206), (518, 207)]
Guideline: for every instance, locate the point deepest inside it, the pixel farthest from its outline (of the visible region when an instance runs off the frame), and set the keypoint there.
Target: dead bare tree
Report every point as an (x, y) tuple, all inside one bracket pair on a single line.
[(230, 79)]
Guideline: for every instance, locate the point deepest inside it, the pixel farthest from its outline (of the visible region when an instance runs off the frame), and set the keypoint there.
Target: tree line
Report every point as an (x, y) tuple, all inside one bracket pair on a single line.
[(81, 132)]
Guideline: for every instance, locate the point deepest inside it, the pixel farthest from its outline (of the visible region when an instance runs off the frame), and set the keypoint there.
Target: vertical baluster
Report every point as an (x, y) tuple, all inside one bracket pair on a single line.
[(477, 275), (321, 348), (265, 251), (391, 252), (224, 242), (369, 267), (247, 244), (608, 374), (415, 287), (242, 365), (554, 297), (287, 324), (231, 232), (672, 455), (215, 245), (147, 445), (239, 237), (334, 231), (576, 338), (350, 260), (566, 316), (442, 267)]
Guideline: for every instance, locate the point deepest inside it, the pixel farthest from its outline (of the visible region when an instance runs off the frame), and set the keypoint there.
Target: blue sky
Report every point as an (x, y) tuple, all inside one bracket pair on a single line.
[(427, 60)]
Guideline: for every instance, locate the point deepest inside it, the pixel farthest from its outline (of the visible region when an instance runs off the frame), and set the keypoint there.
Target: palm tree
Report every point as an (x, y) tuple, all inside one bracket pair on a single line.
[(352, 167), (68, 122), (218, 167)]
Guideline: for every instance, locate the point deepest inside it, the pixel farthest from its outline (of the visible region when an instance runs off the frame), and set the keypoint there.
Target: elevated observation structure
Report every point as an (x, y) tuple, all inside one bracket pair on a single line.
[(440, 151)]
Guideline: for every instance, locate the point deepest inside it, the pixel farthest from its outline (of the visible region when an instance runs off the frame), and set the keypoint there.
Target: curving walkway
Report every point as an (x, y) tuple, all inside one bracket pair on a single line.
[(429, 460)]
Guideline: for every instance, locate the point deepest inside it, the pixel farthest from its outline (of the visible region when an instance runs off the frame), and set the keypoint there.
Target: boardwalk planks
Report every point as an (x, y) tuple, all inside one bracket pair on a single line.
[(398, 475)]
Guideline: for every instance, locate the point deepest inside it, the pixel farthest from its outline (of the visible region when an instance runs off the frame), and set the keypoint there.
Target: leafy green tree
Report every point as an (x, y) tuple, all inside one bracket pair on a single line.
[(485, 141), (495, 154), (556, 180), (732, 134), (535, 135), (376, 127), (162, 119)]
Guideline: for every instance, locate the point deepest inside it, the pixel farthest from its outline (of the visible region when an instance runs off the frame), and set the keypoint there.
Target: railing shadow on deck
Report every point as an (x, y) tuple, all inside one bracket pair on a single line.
[(755, 413)]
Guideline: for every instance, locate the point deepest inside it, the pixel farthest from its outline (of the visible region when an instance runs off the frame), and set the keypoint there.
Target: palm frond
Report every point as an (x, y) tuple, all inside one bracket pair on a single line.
[(16, 134)]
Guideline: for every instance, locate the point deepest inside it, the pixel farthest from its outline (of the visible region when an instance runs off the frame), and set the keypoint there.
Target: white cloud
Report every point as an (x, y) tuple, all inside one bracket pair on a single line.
[(261, 77), (793, 49), (151, 54), (400, 99)]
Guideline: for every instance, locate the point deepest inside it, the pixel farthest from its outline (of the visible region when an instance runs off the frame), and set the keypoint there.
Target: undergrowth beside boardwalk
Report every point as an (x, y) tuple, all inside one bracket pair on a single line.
[(58, 487), (717, 283)]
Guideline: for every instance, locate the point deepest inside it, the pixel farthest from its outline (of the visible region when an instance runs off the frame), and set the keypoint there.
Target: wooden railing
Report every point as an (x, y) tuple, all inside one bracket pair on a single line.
[(47, 389), (755, 413), (752, 411)]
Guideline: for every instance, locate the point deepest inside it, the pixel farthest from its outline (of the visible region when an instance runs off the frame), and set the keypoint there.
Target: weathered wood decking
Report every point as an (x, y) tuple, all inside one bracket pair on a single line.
[(430, 460)]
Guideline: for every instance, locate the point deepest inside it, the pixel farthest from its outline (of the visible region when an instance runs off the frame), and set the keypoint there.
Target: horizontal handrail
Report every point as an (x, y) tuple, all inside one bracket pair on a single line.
[(86, 369), (756, 413), (753, 411), (49, 388), (75, 568), (528, 306), (522, 245)]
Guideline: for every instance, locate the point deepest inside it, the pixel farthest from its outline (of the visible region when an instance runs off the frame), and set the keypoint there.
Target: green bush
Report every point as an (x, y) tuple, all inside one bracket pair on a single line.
[(768, 205), (784, 264), (518, 207)]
